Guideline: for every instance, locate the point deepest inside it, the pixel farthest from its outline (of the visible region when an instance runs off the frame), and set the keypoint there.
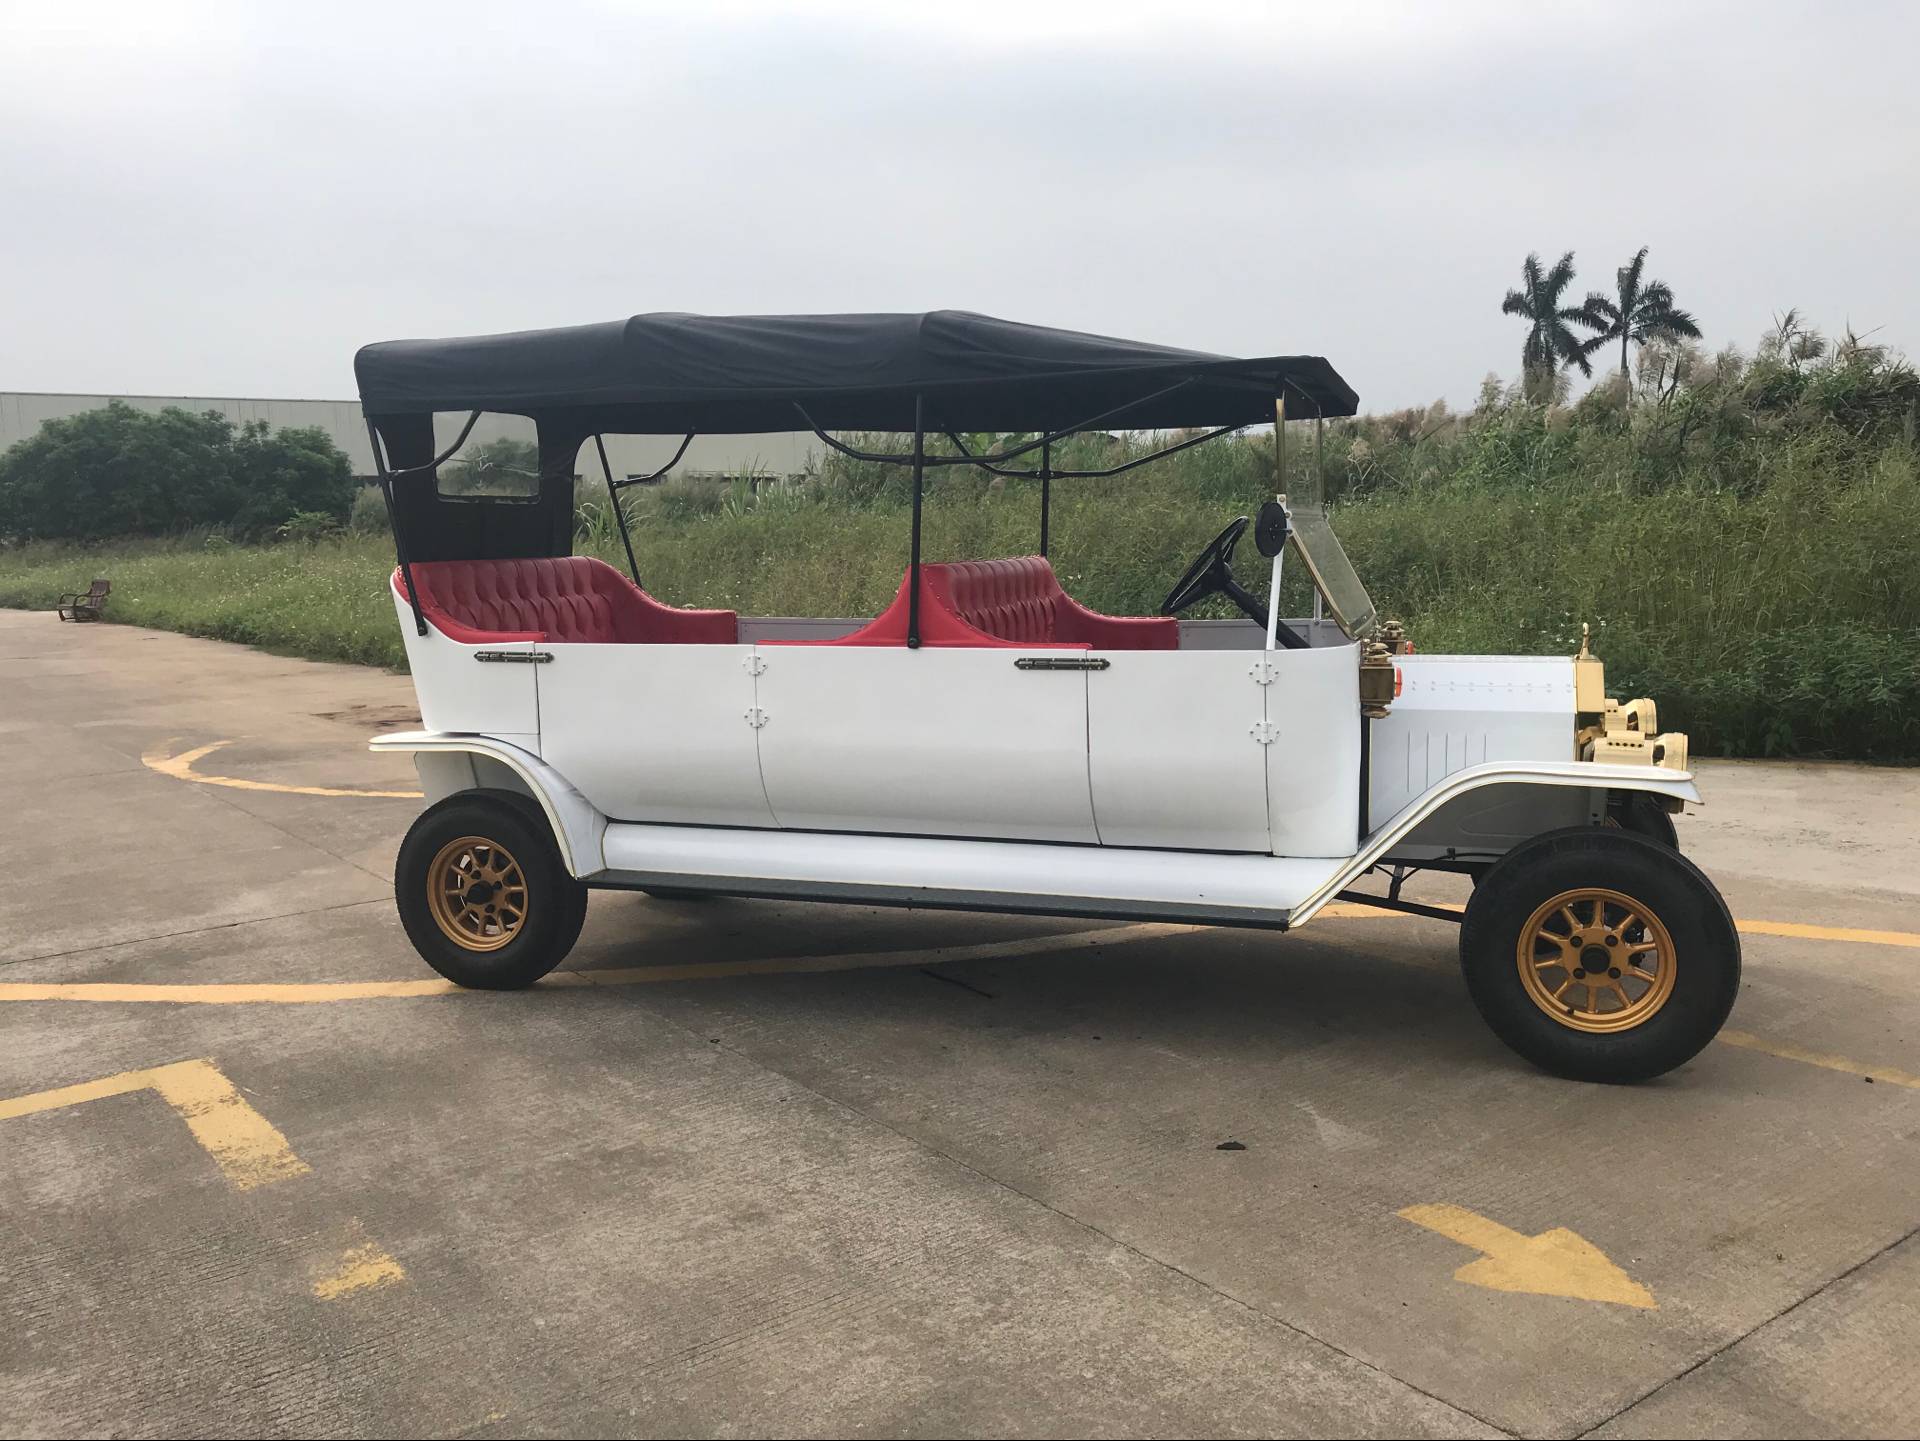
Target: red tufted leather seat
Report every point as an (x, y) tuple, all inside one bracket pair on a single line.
[(556, 599), (1016, 602)]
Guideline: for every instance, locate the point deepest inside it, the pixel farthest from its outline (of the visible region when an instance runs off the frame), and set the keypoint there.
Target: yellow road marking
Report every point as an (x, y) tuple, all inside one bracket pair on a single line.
[(359, 1268), (1793, 930), (1826, 1061), (320, 992), (223, 994), (310, 992), (1554, 1263), (1796, 931), (247, 1148), (180, 767)]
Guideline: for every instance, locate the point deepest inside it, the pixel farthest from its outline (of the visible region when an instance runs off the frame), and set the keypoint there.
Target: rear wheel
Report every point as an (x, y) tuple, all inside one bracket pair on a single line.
[(483, 893), (1600, 955)]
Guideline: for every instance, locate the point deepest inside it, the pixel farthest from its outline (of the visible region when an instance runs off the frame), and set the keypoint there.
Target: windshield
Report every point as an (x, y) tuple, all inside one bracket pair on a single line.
[(1333, 573)]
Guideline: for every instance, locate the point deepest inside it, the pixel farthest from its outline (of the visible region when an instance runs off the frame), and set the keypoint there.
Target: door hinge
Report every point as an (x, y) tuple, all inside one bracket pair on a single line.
[(515, 657), (1266, 732), (756, 717), (1061, 662), (755, 664), (1264, 671)]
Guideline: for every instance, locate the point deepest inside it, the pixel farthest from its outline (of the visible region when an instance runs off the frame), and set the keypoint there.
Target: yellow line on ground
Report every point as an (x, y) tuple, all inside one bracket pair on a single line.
[(312, 992), (245, 1145), (289, 993), (1796, 931), (359, 1269), (180, 767), (1825, 1060), (1793, 930)]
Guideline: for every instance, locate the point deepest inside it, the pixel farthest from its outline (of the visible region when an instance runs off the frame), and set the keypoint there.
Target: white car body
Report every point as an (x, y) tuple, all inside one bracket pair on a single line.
[(1220, 782)]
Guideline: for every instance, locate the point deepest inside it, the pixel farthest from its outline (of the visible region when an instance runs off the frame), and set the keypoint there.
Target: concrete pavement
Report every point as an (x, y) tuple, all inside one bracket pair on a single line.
[(752, 1168)]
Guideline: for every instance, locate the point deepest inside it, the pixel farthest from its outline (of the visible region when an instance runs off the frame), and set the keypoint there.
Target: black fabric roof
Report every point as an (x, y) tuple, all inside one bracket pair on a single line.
[(668, 373)]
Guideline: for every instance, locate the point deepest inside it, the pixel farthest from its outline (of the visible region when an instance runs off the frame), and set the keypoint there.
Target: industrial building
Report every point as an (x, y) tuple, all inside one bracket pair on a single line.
[(710, 456)]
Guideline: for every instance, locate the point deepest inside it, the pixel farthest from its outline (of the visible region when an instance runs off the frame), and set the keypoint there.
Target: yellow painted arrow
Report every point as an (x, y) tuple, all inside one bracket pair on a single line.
[(1554, 1263)]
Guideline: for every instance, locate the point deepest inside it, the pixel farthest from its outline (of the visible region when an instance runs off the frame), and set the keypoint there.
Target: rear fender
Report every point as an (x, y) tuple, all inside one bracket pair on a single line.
[(449, 764)]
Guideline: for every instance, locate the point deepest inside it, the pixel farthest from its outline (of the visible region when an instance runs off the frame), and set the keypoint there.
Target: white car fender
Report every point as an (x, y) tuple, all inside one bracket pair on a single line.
[(1656, 780), (449, 764)]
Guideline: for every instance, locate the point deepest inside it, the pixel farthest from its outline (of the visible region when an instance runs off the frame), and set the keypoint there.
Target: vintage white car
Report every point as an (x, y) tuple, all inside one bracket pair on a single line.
[(986, 742)]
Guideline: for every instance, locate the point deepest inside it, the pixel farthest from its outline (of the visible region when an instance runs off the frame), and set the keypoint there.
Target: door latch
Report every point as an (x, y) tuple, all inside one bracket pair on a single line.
[(515, 657), (1062, 662)]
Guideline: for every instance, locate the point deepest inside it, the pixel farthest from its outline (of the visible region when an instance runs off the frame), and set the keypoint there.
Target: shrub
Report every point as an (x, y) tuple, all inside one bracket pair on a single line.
[(122, 471), (307, 526), (368, 513)]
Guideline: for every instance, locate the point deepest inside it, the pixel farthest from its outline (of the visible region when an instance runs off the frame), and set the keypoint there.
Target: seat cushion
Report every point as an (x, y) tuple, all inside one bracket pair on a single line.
[(561, 599)]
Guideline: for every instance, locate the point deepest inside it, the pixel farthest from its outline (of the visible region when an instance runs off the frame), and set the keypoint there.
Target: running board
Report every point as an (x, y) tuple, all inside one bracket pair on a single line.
[(1107, 883)]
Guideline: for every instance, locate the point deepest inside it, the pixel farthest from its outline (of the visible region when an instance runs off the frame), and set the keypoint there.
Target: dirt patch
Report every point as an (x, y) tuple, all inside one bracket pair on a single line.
[(374, 717)]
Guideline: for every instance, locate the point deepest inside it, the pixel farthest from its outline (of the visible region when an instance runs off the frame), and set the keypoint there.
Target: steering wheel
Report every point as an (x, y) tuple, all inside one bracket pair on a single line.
[(1212, 574)]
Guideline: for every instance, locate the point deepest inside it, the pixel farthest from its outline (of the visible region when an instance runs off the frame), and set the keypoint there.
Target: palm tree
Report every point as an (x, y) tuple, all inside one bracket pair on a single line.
[(1639, 311), (1550, 343)]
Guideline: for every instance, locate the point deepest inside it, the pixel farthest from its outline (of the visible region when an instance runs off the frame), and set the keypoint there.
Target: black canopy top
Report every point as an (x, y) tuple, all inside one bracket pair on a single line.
[(668, 373)]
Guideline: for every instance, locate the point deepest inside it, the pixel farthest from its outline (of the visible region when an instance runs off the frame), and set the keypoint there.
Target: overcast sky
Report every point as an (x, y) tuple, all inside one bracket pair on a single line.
[(228, 200)]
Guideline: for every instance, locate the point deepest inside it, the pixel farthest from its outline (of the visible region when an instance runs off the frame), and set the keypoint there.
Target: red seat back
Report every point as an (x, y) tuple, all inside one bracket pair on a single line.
[(1014, 602), (568, 598)]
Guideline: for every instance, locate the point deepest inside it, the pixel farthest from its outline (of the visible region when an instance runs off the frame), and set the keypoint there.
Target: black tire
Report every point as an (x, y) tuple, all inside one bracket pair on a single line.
[(1704, 953), (1642, 815), (554, 903)]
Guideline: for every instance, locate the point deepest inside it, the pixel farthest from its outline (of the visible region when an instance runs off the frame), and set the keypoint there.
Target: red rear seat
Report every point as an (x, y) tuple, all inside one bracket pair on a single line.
[(556, 599), (1014, 602)]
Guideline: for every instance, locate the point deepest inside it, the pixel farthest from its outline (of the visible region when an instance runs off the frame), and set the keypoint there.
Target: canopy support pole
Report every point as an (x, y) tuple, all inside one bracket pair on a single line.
[(393, 516), (980, 462), (1046, 492), (1092, 422), (619, 511), (913, 564), (1280, 445)]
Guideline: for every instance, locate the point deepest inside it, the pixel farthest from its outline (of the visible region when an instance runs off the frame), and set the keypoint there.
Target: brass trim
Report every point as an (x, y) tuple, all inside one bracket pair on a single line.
[(477, 893), (1586, 925)]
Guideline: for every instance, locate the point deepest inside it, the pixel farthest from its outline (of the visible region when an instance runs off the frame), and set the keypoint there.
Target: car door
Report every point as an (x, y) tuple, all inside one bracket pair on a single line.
[(987, 741), (1176, 753), (660, 733)]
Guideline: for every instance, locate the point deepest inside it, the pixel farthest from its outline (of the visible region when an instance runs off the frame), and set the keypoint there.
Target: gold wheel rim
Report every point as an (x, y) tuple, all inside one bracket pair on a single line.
[(1596, 961), (477, 893)]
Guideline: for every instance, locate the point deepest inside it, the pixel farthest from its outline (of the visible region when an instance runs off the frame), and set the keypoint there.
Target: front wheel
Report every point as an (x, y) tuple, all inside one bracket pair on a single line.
[(483, 893), (1600, 955)]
